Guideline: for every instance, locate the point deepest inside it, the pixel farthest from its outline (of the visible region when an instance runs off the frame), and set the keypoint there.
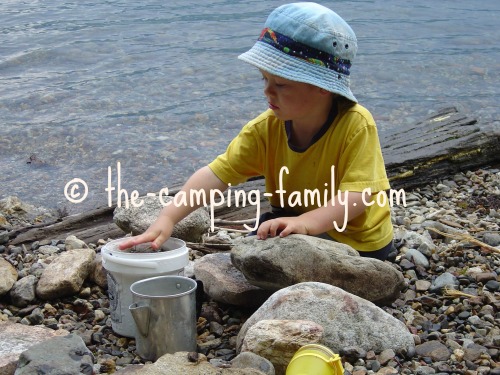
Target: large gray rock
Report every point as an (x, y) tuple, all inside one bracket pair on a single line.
[(347, 320), (182, 363), (8, 276), (224, 283), (280, 262), (57, 356), (136, 220), (16, 338), (66, 274)]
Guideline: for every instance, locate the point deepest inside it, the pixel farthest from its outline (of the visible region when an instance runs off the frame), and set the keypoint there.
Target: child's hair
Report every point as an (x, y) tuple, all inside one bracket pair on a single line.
[(306, 42)]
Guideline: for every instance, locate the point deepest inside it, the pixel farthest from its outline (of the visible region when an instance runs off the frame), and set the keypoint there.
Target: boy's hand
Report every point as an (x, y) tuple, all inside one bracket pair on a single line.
[(282, 226), (157, 234)]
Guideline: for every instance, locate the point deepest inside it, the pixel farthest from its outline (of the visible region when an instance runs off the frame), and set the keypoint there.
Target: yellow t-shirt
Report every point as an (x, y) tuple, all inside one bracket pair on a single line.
[(347, 156)]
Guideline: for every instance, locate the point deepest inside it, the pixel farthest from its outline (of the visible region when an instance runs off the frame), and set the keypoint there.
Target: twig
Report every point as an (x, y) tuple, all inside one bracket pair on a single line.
[(232, 230), (209, 248), (466, 237), (233, 222), (452, 293), (222, 246)]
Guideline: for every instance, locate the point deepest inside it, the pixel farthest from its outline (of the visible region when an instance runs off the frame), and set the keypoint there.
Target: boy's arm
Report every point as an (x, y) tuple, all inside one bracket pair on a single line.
[(345, 207), (161, 229)]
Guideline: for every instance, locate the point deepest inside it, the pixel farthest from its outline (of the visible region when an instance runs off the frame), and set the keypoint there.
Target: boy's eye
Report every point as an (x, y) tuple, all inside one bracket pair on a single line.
[(276, 84)]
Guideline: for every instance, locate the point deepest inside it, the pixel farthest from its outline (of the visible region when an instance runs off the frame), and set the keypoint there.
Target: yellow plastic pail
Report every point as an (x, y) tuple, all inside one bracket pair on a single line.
[(314, 359)]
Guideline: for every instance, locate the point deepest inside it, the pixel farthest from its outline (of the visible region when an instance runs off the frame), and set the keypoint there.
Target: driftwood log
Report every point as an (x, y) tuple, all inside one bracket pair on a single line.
[(442, 145)]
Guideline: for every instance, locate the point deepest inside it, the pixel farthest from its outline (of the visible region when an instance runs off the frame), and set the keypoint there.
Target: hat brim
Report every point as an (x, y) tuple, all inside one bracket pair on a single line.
[(273, 61)]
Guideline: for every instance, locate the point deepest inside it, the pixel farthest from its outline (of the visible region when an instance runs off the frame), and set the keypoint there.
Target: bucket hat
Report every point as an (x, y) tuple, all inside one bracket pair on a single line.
[(309, 43)]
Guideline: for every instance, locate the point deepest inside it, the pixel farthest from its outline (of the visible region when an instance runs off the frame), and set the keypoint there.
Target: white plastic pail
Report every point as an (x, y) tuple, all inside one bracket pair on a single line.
[(125, 268)]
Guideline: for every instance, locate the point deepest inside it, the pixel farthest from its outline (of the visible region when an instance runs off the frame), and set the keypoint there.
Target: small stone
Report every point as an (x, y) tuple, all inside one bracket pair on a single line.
[(386, 356), (484, 277), (216, 328), (71, 243), (492, 285), (99, 315), (122, 342), (251, 360), (204, 347), (193, 357), (492, 239), (406, 264), (352, 353), (444, 280), (108, 366), (425, 370), (373, 365), (387, 371), (422, 285), (124, 361), (459, 355), (433, 349), (23, 291), (4, 237), (85, 293), (211, 313), (48, 250)]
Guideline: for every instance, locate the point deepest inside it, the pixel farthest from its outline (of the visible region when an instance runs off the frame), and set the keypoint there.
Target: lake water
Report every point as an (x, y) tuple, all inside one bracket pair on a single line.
[(156, 86)]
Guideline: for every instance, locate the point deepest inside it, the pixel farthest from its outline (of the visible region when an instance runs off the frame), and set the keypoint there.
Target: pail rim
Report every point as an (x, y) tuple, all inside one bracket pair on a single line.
[(163, 296), (175, 246), (322, 348)]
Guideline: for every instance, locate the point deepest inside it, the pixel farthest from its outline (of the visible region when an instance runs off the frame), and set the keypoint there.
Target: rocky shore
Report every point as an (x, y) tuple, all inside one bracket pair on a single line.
[(448, 252)]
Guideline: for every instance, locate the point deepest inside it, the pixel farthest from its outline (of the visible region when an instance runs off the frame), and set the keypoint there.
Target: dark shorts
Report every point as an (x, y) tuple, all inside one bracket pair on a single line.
[(380, 254)]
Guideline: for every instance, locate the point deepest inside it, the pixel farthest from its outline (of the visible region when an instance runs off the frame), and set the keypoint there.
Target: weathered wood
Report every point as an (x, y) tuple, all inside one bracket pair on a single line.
[(88, 226), (444, 144)]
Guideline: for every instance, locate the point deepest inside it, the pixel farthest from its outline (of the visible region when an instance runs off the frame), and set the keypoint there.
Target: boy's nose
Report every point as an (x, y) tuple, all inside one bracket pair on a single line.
[(268, 89)]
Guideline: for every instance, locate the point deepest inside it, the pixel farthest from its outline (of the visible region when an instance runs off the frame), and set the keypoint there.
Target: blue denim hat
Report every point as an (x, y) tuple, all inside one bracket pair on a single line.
[(306, 42)]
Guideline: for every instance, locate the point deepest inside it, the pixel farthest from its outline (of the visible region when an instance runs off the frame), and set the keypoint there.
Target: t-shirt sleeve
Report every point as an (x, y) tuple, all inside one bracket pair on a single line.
[(244, 157), (362, 164)]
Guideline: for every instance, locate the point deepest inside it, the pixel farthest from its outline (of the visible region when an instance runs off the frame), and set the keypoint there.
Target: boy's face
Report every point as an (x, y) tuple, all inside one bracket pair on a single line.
[(291, 100)]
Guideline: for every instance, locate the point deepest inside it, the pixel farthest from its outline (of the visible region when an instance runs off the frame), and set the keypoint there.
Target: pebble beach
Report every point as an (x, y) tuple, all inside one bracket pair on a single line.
[(451, 301)]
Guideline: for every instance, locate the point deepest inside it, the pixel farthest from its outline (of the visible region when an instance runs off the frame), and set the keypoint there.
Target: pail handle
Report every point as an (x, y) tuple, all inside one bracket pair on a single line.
[(134, 263)]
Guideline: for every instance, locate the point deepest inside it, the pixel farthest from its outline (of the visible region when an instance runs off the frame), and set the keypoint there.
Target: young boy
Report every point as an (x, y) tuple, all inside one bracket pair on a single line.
[(314, 136)]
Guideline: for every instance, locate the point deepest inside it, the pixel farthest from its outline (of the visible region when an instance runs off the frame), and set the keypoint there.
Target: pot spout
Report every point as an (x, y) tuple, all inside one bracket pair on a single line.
[(140, 312)]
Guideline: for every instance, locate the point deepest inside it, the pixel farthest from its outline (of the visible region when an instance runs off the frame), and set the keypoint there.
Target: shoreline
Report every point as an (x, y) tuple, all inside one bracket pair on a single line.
[(466, 323)]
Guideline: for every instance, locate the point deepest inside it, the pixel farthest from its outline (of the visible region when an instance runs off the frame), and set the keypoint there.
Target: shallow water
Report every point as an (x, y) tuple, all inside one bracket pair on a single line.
[(157, 87)]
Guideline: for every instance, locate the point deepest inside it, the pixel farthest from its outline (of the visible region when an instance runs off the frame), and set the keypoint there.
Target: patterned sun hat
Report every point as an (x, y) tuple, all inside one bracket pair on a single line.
[(306, 42)]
